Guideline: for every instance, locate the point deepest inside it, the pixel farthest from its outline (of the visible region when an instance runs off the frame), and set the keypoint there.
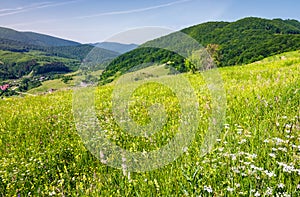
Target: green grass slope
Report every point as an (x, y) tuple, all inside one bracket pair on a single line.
[(256, 154)]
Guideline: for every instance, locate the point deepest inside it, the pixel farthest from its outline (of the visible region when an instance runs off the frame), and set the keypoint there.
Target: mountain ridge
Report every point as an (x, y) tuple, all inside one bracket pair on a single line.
[(35, 38), (115, 46)]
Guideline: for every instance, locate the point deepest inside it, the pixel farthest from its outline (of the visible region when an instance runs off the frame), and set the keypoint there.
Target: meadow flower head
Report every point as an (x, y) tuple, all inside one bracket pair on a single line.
[(208, 189), (269, 191), (280, 185), (272, 155), (257, 193), (230, 189)]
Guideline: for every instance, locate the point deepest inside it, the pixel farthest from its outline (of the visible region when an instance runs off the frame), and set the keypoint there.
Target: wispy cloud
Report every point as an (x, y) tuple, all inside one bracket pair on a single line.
[(133, 10), (102, 14), (34, 6)]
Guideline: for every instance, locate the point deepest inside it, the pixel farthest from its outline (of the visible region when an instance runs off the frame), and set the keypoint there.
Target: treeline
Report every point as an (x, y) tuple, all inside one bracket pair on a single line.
[(53, 67)]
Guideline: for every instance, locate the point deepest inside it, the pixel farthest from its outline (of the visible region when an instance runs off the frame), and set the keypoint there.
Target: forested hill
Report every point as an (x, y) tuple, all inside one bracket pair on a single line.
[(229, 43), (34, 38), (247, 40)]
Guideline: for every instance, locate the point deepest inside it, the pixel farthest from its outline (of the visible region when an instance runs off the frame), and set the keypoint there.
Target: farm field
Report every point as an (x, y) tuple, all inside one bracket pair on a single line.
[(256, 154)]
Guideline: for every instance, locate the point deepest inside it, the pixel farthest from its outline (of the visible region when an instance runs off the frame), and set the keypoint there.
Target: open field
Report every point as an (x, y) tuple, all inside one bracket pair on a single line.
[(256, 154)]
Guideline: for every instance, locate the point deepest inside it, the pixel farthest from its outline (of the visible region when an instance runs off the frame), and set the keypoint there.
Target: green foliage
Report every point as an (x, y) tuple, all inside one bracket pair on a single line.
[(53, 67), (66, 79), (27, 84)]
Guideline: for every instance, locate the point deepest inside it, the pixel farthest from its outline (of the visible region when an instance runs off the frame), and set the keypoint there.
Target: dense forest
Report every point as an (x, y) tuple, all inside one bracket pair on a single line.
[(249, 39)]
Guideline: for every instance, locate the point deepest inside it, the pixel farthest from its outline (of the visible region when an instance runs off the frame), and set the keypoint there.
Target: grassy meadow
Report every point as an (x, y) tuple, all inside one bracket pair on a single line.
[(256, 154)]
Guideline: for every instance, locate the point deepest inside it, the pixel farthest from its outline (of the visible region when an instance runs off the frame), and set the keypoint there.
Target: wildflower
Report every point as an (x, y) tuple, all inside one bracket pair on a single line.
[(230, 189), (243, 141), (280, 185), (226, 126), (287, 168), (288, 126), (208, 189), (239, 131), (266, 141), (282, 149), (272, 155), (286, 195), (221, 149), (269, 174), (233, 157), (269, 191), (257, 193), (298, 186), (185, 149)]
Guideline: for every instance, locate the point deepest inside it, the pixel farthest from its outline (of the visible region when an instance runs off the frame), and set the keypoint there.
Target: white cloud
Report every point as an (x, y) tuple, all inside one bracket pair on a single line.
[(133, 10), (35, 6)]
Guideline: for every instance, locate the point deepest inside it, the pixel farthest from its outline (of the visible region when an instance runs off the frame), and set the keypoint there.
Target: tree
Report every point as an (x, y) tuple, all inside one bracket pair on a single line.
[(214, 50)]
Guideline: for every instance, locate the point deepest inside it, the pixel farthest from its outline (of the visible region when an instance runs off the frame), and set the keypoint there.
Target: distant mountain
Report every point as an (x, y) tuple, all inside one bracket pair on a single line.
[(117, 47), (22, 53), (229, 43), (15, 41), (34, 38)]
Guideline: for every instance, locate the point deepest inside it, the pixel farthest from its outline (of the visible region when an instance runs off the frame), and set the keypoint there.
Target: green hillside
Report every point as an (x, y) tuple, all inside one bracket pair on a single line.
[(255, 154), (249, 39), (229, 43), (15, 65)]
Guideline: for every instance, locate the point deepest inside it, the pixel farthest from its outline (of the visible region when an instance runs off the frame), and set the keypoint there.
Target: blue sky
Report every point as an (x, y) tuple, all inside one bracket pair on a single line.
[(96, 20)]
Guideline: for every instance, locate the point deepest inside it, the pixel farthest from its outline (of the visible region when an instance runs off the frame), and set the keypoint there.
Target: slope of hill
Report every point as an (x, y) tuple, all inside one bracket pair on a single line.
[(117, 47), (255, 154), (229, 43), (34, 38)]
